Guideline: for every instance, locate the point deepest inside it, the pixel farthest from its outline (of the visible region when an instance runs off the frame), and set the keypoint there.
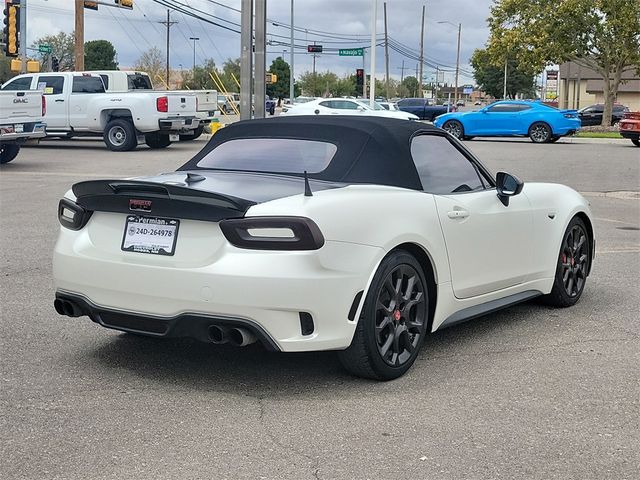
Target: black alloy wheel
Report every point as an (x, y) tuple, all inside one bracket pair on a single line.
[(393, 323), (573, 266), (454, 127), (540, 132)]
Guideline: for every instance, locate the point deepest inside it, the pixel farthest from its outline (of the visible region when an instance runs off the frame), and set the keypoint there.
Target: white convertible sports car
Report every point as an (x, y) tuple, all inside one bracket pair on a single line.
[(356, 234)]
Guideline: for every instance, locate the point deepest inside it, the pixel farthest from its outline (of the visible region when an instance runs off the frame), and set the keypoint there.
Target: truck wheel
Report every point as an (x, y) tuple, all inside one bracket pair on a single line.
[(156, 140), (8, 151), (120, 135), (196, 133)]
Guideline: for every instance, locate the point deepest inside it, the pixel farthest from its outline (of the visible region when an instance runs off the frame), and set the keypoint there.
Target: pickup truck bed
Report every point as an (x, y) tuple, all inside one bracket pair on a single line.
[(20, 120)]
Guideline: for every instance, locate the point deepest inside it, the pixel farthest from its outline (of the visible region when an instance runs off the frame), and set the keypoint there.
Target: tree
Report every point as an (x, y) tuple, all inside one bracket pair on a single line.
[(62, 46), (230, 73), (100, 55), (279, 89), (599, 34), (411, 85), (152, 62), (199, 77), (490, 78)]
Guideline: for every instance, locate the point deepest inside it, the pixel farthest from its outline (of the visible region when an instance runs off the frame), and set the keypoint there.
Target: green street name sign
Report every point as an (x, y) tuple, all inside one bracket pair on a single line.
[(44, 48), (351, 52)]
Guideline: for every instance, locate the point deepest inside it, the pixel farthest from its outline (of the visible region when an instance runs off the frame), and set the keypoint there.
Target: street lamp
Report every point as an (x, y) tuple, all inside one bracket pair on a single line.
[(457, 57), (195, 39)]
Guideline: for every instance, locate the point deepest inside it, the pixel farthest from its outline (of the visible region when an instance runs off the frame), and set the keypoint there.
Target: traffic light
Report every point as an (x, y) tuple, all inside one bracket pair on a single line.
[(359, 80), (91, 5), (128, 4), (314, 48), (55, 64), (11, 28)]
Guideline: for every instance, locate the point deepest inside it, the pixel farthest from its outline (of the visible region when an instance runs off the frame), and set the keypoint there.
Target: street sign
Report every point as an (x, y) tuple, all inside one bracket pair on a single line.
[(314, 48), (351, 52), (467, 89), (44, 48)]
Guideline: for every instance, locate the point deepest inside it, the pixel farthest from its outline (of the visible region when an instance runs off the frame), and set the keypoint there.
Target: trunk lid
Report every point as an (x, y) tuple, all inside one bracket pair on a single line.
[(181, 104), (20, 105)]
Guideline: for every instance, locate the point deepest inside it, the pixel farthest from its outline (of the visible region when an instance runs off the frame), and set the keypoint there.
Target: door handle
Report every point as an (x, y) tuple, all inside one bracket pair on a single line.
[(458, 214), (59, 100)]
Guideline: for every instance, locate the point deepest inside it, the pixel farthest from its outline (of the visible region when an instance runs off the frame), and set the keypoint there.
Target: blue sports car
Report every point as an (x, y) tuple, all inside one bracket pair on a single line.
[(540, 122)]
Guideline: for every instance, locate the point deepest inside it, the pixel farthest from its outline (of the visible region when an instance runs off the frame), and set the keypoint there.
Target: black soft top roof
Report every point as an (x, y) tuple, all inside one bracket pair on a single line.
[(373, 150)]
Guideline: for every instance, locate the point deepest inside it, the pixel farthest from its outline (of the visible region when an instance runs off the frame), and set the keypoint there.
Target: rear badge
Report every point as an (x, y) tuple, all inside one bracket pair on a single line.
[(139, 205)]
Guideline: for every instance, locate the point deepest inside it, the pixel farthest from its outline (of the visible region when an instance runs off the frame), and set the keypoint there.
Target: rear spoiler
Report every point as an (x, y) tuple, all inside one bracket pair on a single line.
[(158, 199)]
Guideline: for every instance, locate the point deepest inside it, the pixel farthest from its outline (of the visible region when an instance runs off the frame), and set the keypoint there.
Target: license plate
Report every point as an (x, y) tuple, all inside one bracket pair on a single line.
[(19, 128), (152, 235), (174, 138)]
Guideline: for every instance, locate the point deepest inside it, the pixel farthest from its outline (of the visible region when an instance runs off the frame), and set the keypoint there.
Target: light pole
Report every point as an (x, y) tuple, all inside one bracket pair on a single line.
[(457, 57), (195, 39), (291, 91), (372, 87)]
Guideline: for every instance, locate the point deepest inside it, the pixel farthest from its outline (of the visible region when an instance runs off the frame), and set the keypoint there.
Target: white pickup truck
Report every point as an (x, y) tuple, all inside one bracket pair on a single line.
[(79, 106), (128, 81), (21, 115)]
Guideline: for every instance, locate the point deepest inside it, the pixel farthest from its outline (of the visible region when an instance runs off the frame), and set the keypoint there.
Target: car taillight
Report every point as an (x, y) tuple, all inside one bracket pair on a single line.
[(71, 215), (162, 104), (44, 105), (273, 233)]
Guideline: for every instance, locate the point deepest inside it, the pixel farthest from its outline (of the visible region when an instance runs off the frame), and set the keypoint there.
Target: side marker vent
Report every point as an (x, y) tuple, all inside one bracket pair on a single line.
[(306, 323)]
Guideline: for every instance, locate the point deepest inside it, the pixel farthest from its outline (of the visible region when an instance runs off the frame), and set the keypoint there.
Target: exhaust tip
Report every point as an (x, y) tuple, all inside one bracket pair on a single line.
[(218, 334), (59, 306), (241, 337)]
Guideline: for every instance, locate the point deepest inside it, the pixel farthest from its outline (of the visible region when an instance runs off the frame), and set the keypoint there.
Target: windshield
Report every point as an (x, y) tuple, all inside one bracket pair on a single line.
[(376, 105)]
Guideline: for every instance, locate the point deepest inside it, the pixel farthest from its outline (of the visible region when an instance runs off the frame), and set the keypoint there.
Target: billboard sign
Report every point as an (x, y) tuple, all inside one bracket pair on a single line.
[(551, 85)]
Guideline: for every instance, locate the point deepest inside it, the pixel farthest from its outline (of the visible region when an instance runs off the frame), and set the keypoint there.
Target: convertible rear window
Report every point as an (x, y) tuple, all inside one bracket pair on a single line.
[(278, 155)]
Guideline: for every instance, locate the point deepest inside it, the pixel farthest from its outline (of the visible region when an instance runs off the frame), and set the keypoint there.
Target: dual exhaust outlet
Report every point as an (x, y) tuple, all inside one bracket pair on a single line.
[(65, 307), (236, 336)]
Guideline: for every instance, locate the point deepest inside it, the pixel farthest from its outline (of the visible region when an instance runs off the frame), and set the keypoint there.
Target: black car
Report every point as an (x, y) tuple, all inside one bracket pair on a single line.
[(592, 115), (423, 108)]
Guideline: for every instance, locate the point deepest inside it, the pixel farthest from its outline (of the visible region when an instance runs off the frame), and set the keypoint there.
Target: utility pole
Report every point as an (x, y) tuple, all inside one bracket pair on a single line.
[(402, 72), (421, 52), (79, 36), (168, 24), (260, 87), (291, 86), (435, 96), (386, 53), (372, 87), (504, 88), (195, 39), (246, 58), (314, 64), (458, 61)]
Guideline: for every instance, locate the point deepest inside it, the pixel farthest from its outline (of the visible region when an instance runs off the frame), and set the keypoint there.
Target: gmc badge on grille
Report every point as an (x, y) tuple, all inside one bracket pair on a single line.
[(139, 205)]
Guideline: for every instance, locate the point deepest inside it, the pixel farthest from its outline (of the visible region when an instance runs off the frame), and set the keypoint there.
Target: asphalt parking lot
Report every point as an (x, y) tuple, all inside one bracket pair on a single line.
[(529, 392)]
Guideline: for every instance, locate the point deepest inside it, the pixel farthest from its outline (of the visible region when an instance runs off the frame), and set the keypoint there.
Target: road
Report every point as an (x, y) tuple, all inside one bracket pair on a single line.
[(530, 392)]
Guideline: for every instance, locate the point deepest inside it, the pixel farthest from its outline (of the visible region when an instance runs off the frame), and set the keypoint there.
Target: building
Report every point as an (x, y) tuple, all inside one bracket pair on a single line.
[(579, 87)]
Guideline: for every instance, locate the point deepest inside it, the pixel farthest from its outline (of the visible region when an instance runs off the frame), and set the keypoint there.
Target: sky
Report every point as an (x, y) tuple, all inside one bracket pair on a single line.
[(331, 23)]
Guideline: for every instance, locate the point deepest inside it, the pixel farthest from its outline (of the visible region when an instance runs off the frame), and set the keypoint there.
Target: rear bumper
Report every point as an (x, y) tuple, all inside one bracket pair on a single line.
[(267, 289), (8, 133), (178, 124), (630, 135), (191, 325)]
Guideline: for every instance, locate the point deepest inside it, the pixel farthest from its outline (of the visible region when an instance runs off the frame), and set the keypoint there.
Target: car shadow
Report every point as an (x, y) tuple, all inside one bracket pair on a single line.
[(254, 371)]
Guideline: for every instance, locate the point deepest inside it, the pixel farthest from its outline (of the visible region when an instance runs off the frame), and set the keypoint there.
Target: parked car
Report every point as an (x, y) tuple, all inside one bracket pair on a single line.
[(477, 102), (345, 106), (392, 106), (592, 115), (630, 127), (460, 103), (507, 118), (270, 105), (422, 107), (79, 106), (21, 119), (232, 104), (129, 81), (396, 223)]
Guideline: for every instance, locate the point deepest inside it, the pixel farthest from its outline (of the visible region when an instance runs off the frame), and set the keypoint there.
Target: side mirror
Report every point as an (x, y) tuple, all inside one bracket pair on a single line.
[(507, 186)]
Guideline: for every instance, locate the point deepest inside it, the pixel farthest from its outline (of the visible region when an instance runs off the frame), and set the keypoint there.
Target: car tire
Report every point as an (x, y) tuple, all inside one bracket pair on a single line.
[(156, 140), (8, 151), (468, 138), (554, 139), (571, 272), (540, 132), (454, 127), (393, 323), (636, 141), (120, 135), (196, 133), (272, 110)]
